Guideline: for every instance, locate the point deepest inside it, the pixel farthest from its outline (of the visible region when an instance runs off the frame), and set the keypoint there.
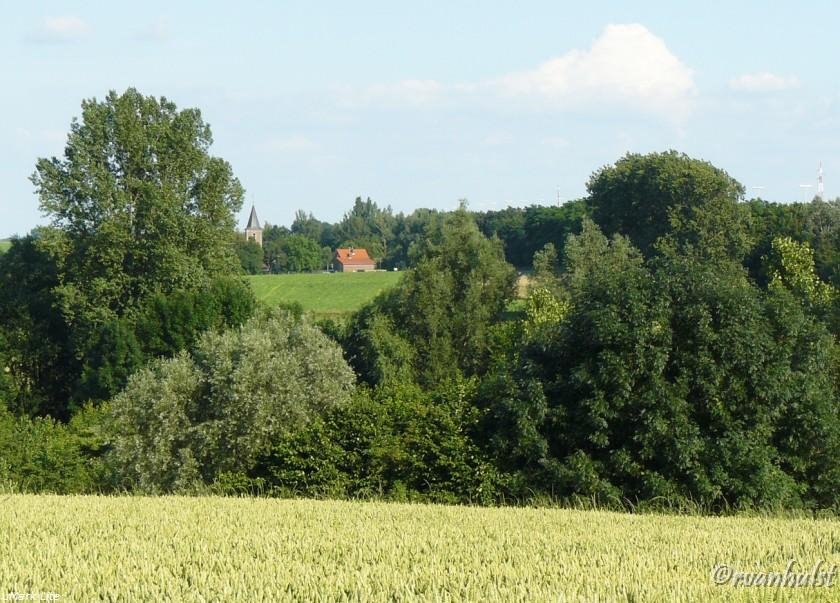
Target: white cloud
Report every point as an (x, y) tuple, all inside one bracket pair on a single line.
[(58, 30), (763, 82), (626, 65)]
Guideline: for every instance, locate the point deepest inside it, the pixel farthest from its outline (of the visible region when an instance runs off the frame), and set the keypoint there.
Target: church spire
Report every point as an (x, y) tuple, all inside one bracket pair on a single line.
[(253, 221), (253, 231)]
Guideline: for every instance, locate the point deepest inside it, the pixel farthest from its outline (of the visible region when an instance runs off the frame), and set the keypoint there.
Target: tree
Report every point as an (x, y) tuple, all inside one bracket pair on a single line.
[(368, 227), (137, 206), (546, 268), (397, 441), (250, 256), (380, 353), (792, 266), (169, 323), (409, 231), (302, 254), (309, 226), (40, 358), (674, 378), (191, 418), (524, 231), (445, 306), (646, 197), (816, 223), (112, 358)]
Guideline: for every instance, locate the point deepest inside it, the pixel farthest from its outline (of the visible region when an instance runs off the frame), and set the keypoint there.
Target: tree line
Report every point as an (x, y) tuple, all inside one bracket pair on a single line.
[(677, 347), (309, 243)]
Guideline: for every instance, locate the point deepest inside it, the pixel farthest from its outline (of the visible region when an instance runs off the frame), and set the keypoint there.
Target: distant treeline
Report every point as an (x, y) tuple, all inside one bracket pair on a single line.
[(309, 243), (677, 347)]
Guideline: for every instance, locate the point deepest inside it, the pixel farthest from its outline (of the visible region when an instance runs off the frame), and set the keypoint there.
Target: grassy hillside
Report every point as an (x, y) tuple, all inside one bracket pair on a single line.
[(240, 549), (323, 293), (4, 245)]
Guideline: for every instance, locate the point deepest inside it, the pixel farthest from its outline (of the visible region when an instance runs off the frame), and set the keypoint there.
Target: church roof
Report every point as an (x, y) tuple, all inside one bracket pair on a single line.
[(253, 221)]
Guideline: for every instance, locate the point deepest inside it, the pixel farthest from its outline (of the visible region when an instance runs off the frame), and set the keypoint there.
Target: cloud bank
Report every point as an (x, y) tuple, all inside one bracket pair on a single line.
[(626, 65)]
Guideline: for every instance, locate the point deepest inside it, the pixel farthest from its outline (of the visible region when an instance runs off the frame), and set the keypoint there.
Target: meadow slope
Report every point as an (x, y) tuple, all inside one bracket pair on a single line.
[(323, 293), (197, 549)]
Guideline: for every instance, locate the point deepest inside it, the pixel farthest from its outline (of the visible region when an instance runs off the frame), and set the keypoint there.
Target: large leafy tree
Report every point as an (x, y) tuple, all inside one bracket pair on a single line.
[(137, 205), (816, 223), (409, 231), (367, 226), (675, 378), (445, 306), (649, 196), (138, 209), (301, 254)]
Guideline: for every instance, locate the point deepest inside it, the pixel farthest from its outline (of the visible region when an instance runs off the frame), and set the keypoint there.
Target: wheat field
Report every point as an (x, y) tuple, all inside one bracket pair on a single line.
[(89, 548)]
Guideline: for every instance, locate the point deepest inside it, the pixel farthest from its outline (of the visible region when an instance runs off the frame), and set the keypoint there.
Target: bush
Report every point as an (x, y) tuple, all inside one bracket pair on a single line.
[(396, 442), (43, 455), (189, 419)]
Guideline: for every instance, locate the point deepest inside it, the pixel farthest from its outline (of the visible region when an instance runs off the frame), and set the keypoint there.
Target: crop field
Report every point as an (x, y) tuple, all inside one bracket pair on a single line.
[(4, 245), (323, 293), (199, 549)]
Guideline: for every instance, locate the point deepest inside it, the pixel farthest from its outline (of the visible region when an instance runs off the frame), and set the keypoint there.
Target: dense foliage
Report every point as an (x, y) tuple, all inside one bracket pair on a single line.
[(397, 441), (436, 325), (672, 379), (676, 345), (191, 418), (139, 211)]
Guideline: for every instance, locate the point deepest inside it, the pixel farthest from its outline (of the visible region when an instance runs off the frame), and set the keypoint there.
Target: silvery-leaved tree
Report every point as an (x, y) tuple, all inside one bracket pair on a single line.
[(188, 419)]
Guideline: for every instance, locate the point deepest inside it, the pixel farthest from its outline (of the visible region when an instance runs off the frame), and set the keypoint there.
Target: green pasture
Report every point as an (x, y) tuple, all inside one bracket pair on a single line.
[(323, 293)]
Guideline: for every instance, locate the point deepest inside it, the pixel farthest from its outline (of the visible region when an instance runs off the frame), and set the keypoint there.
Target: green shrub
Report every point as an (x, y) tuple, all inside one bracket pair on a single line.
[(396, 442), (191, 418), (43, 455)]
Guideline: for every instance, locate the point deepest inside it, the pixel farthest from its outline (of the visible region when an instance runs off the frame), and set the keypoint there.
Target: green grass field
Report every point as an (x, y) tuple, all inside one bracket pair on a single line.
[(323, 293), (240, 549), (4, 245)]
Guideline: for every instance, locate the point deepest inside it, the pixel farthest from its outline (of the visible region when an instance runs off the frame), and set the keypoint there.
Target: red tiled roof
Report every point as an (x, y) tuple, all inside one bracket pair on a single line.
[(353, 257)]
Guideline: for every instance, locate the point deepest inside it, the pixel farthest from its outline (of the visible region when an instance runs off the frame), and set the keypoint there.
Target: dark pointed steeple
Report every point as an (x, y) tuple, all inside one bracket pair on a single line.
[(253, 221)]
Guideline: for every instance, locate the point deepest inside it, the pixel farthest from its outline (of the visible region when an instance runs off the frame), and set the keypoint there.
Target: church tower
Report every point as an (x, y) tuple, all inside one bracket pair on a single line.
[(253, 231)]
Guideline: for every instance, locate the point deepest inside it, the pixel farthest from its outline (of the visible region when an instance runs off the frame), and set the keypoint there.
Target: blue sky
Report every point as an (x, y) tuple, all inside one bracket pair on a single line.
[(421, 104)]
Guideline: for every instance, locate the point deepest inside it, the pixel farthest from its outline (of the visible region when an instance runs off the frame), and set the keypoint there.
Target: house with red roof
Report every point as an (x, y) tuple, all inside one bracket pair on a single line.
[(350, 259)]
